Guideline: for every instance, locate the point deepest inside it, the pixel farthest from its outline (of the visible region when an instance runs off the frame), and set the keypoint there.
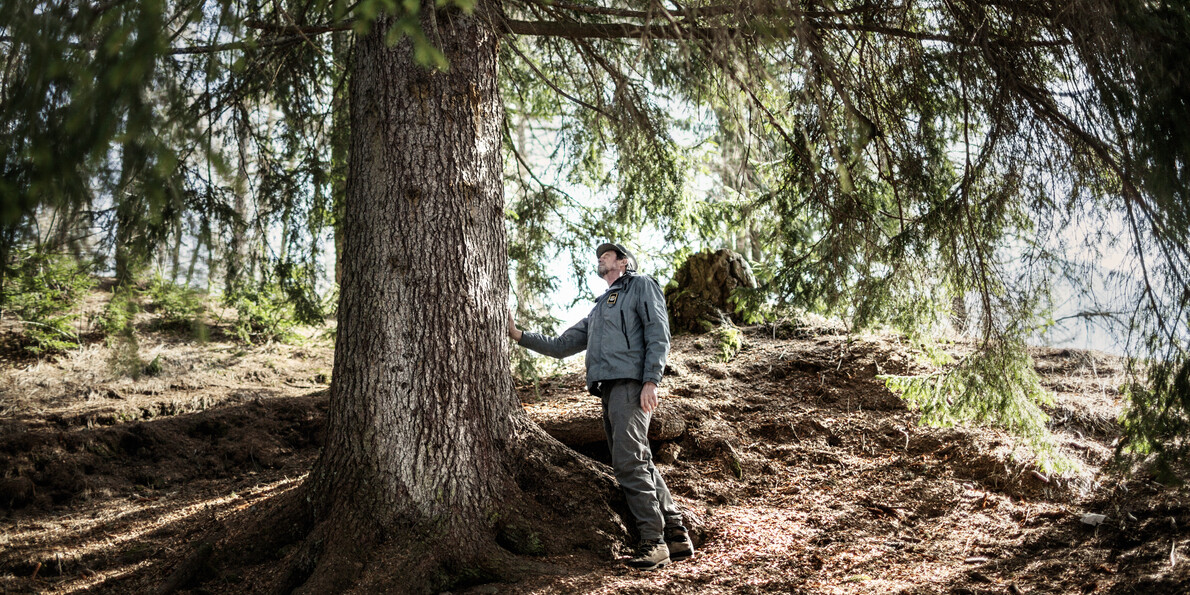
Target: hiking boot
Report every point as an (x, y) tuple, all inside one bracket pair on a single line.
[(650, 554), (679, 544)]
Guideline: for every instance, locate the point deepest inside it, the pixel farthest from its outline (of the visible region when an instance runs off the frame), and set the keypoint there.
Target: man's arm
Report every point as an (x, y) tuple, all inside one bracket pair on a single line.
[(568, 343)]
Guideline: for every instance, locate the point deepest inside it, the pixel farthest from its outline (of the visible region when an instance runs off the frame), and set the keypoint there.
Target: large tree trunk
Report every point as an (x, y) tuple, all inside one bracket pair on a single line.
[(428, 455), (422, 392)]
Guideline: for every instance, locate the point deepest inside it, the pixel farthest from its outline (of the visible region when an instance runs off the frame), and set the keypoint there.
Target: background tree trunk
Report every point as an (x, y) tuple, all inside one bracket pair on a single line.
[(234, 277), (340, 137), (128, 221)]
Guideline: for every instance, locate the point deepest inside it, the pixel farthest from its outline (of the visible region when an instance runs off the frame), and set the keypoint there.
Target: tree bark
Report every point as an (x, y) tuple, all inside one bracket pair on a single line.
[(234, 272), (175, 255), (128, 222)]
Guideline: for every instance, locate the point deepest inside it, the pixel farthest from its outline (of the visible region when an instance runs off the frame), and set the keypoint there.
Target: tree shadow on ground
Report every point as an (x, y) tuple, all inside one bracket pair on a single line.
[(90, 505)]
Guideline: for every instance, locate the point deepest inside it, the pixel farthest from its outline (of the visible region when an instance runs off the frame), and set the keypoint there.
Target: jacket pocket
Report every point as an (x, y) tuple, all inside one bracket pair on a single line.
[(624, 329)]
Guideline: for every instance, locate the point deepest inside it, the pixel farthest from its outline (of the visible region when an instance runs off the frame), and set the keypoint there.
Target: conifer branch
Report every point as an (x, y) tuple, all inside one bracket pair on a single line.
[(577, 30), (707, 11), (294, 28), (238, 45), (672, 29), (551, 84)]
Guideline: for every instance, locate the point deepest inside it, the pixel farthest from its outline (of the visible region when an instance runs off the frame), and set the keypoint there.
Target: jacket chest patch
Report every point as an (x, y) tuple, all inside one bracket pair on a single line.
[(611, 299)]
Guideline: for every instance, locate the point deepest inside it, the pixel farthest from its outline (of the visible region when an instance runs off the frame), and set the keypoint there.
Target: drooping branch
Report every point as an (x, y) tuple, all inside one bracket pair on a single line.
[(941, 37), (710, 11), (293, 28), (577, 30), (681, 24), (545, 79), (239, 45)]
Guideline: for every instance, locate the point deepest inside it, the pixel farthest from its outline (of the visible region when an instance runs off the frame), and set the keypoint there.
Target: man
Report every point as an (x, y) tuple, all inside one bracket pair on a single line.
[(626, 337)]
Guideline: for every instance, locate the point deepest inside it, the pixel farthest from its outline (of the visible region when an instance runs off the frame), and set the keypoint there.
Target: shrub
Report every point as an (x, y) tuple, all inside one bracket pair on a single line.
[(751, 305), (179, 308), (125, 357), (996, 386), (117, 315), (263, 314), (42, 290), (1156, 422), (153, 368)]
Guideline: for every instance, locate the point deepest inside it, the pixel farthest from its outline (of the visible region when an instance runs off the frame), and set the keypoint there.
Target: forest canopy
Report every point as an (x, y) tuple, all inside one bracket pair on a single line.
[(919, 165)]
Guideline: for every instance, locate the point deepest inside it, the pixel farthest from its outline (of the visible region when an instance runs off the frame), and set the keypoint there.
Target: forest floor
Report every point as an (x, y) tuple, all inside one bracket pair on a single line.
[(799, 470)]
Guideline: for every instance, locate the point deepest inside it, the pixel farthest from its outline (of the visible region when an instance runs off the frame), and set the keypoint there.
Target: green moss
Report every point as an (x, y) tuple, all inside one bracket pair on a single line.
[(730, 341), (736, 468)]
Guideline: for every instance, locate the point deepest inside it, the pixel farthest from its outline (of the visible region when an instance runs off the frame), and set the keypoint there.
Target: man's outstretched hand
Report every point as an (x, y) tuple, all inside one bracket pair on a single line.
[(513, 332), (648, 397)]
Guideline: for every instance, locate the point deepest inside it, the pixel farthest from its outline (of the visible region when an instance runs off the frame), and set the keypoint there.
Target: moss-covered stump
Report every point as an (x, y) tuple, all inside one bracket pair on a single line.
[(700, 297)]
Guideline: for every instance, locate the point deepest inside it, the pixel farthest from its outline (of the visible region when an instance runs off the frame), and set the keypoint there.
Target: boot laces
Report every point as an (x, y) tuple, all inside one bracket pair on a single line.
[(644, 548)]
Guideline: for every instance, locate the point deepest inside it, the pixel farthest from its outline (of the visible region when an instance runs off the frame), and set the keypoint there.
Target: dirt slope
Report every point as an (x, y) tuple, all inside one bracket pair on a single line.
[(800, 471)]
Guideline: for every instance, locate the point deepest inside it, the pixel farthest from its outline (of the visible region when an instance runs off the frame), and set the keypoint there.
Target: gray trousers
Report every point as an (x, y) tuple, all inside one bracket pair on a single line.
[(627, 427)]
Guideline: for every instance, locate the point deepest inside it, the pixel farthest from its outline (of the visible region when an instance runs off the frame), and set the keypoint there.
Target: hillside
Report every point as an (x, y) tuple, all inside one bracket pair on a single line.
[(800, 471)]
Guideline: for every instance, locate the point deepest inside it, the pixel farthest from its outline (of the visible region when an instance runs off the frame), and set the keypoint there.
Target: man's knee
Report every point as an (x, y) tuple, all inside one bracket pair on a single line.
[(632, 465)]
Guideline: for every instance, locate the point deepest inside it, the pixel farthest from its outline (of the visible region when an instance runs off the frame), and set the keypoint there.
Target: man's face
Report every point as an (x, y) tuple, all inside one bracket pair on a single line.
[(609, 261)]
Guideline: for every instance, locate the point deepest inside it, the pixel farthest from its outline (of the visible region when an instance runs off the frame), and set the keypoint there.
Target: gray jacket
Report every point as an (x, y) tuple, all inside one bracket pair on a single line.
[(626, 335)]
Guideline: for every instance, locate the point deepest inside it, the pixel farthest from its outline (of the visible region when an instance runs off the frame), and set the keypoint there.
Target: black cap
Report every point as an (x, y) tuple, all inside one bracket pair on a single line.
[(621, 251)]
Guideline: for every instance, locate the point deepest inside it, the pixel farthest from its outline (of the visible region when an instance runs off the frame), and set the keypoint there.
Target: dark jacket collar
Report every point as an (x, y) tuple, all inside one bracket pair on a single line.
[(618, 285)]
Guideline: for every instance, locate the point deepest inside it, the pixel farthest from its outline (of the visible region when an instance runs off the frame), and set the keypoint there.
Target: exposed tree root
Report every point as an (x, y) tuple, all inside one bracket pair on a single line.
[(570, 492), (558, 501), (186, 572)]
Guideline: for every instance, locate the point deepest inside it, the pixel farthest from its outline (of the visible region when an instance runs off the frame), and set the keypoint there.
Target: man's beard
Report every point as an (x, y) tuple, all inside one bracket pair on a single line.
[(602, 269)]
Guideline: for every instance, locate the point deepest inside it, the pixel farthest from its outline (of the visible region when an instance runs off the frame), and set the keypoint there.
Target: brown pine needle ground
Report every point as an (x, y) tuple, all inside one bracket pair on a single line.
[(801, 473)]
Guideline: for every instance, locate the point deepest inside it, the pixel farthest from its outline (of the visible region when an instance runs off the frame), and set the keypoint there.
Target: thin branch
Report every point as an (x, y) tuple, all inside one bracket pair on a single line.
[(941, 37), (238, 45), (525, 164), (599, 10), (576, 30), (1089, 315), (551, 84), (295, 28), (706, 12), (674, 30)]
